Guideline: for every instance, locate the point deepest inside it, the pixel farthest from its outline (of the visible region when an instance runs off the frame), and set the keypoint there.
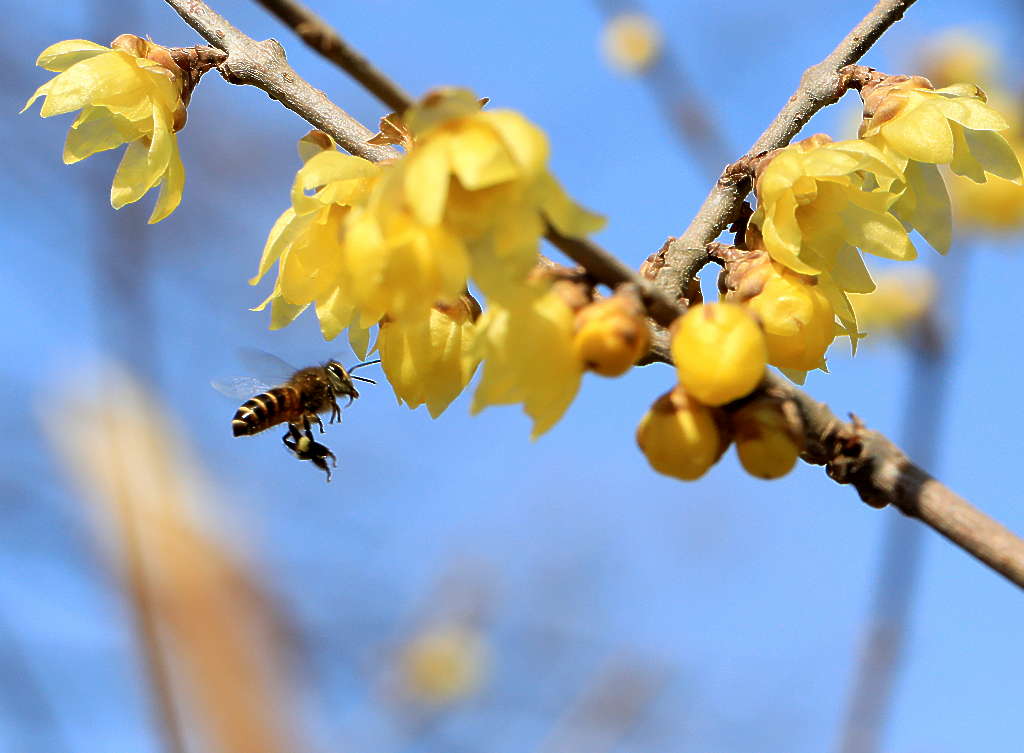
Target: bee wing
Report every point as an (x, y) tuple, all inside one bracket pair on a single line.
[(265, 366), (241, 387)]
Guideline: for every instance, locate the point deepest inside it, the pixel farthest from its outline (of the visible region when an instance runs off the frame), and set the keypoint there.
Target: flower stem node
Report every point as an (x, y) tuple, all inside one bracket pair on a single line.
[(611, 335), (719, 351), (680, 436), (769, 437)]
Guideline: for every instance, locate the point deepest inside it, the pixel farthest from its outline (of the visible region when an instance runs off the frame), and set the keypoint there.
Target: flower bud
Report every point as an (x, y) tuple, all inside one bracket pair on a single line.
[(769, 438), (611, 334), (719, 351), (796, 317), (680, 436)]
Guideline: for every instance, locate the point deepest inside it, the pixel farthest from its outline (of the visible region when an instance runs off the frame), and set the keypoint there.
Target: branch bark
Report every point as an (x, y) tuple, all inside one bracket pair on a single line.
[(852, 454), (265, 66)]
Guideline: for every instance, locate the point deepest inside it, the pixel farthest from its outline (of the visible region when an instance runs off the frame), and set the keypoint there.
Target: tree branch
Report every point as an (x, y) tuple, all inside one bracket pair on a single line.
[(852, 454), (820, 85), (264, 65), (315, 32)]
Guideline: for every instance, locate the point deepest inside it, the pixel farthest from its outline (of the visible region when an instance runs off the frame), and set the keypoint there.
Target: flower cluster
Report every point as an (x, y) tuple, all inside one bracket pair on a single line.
[(786, 290), (133, 92), (397, 243)]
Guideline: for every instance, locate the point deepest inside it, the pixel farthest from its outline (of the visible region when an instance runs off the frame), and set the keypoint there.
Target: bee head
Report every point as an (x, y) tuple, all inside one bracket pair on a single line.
[(340, 381)]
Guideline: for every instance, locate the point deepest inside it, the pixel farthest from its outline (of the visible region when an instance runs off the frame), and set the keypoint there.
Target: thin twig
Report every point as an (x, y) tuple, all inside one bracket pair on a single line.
[(820, 85), (852, 454), (315, 32), (264, 65), (690, 115)]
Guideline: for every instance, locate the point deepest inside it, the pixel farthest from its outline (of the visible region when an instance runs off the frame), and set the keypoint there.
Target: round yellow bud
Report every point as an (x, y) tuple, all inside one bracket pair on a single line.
[(767, 443), (719, 351), (679, 436), (796, 317), (611, 335)]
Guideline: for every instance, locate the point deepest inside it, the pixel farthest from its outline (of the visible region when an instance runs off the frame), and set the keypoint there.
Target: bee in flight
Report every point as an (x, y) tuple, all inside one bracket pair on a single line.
[(297, 402)]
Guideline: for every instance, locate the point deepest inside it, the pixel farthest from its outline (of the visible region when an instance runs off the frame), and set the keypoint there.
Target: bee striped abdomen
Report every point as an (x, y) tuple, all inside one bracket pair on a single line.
[(265, 410)]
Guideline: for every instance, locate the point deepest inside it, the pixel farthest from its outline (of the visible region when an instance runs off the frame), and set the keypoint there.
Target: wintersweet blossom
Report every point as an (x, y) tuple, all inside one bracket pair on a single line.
[(527, 350), (128, 93), (818, 202), (919, 127), (479, 179), (306, 240), (429, 360)]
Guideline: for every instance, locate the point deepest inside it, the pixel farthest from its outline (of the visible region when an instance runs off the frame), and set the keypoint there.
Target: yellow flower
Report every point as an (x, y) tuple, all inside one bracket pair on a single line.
[(306, 242), (795, 315), (818, 202), (429, 360), (611, 335), (920, 127), (528, 355), (899, 302), (126, 97), (631, 43), (767, 443), (480, 179), (680, 437), (719, 351), (443, 664)]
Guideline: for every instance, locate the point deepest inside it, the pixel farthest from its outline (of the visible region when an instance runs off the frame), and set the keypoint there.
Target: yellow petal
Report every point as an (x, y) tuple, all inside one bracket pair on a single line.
[(568, 217), (994, 154), (850, 272), (923, 135), (172, 188), (96, 130), (480, 159), (879, 234), (526, 142), (928, 203), (63, 55), (426, 178), (334, 313), (963, 162), (970, 112)]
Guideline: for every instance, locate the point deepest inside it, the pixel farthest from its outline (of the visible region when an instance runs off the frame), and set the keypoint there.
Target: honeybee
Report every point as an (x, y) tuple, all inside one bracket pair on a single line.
[(297, 402)]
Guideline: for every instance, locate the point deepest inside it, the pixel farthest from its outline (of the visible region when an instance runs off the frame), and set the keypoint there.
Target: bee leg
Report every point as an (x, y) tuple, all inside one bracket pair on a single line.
[(319, 422), (335, 411), (291, 439)]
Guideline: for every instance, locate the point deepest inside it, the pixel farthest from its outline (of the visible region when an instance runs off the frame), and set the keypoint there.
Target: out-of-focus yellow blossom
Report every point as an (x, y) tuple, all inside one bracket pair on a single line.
[(901, 300), (680, 437), (920, 127), (796, 317), (611, 335), (998, 204), (429, 360), (306, 242), (528, 356), (767, 443), (956, 55), (719, 351), (478, 178), (443, 664), (818, 202), (129, 93), (631, 43)]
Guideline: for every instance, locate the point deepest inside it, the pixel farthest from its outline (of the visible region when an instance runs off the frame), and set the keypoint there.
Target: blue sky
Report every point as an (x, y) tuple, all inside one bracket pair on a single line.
[(751, 596)]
